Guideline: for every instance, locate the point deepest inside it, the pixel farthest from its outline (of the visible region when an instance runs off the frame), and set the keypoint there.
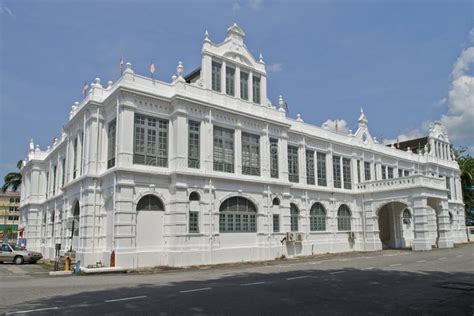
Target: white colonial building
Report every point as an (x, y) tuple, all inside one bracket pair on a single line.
[(206, 170)]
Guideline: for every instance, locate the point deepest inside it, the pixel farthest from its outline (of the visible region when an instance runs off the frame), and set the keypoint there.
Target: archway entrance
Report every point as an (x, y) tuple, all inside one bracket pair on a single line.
[(150, 223), (391, 229)]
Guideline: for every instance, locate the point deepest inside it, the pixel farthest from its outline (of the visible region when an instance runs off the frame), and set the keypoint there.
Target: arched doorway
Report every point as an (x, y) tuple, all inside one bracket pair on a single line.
[(391, 227), (150, 220)]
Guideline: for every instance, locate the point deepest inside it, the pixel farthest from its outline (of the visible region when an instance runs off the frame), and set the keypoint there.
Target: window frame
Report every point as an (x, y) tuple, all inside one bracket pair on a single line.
[(321, 169), (347, 173), (250, 154), (238, 214), (336, 170), (150, 141), (230, 80), (274, 172), (344, 221), (216, 75), (294, 217), (244, 85), (310, 174), (293, 164), (256, 89), (226, 160), (111, 142), (317, 217), (194, 144)]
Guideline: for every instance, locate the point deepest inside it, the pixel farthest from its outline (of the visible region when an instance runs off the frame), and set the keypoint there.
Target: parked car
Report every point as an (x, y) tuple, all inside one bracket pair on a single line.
[(17, 254)]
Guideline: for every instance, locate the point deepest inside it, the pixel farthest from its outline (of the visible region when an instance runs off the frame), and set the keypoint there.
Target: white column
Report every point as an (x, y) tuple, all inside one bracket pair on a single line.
[(265, 154), (238, 150), (263, 90), (283, 157), (302, 161), (207, 143)]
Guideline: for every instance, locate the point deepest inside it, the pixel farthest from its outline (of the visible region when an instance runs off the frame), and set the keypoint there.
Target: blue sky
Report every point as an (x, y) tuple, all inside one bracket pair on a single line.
[(399, 60)]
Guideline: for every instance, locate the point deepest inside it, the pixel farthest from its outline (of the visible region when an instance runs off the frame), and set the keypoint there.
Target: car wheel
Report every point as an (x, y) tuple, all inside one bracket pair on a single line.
[(19, 260)]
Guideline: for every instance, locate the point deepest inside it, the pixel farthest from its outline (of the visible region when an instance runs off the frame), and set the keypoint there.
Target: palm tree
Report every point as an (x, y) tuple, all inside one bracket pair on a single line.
[(13, 179), (466, 167)]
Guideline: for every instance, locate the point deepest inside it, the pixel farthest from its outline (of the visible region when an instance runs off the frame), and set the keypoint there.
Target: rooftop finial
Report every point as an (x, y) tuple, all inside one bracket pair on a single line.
[(298, 118), (261, 59), (180, 69), (281, 104), (362, 118), (206, 36)]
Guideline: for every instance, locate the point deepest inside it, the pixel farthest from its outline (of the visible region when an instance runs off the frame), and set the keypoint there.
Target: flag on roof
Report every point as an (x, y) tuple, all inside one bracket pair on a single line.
[(337, 126), (121, 66), (152, 69), (85, 87)]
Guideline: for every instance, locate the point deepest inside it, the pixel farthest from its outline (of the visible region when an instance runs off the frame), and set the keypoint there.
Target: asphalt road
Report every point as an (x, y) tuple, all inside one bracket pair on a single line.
[(439, 282)]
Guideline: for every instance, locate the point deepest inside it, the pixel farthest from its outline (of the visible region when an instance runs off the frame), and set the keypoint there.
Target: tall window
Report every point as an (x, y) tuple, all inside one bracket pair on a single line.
[(336, 170), (74, 154), (193, 222), (55, 169), (276, 223), (244, 85), (47, 184), (317, 216), (384, 172), (344, 218), (448, 186), (256, 89), (406, 173), (151, 141), (400, 172), (111, 132), (310, 167), (250, 154), (216, 76), (367, 170), (274, 158), (63, 169), (237, 214), (294, 217), (223, 149), (193, 144), (358, 171), (346, 171), (321, 161), (375, 171), (293, 171), (230, 81), (390, 172)]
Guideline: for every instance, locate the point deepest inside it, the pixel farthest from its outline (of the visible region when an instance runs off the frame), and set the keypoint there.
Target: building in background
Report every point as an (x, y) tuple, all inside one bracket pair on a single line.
[(9, 215), (206, 169)]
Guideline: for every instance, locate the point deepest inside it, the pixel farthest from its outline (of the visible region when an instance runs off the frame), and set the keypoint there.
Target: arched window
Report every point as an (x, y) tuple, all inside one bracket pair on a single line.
[(344, 218), (276, 201), (150, 203), (295, 212), (237, 214), (194, 196), (317, 216)]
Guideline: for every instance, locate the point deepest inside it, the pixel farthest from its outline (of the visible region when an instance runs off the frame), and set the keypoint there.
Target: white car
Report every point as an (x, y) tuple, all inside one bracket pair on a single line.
[(14, 253)]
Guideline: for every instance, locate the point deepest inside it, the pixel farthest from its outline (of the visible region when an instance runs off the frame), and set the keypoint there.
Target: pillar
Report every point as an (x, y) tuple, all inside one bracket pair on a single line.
[(445, 239), (421, 241)]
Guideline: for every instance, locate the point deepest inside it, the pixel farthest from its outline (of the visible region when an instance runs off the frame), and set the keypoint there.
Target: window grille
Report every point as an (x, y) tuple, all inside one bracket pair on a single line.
[(223, 149), (336, 168), (151, 141), (55, 169), (256, 89), (390, 172), (317, 217), (193, 144), (230, 81), (276, 223), (250, 154), (344, 218), (293, 170), (384, 172), (274, 158), (367, 173), (406, 173), (400, 173), (111, 133), (346, 170), (448, 187), (150, 202), (216, 76), (74, 154), (193, 222), (310, 167), (321, 161), (244, 85), (358, 171), (63, 170), (294, 217), (237, 214)]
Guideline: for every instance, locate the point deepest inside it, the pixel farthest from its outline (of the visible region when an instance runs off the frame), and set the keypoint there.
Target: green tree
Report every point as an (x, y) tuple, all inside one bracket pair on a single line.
[(13, 179), (466, 167)]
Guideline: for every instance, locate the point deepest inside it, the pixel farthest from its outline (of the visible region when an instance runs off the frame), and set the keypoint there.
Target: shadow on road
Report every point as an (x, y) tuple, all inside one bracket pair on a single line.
[(306, 292)]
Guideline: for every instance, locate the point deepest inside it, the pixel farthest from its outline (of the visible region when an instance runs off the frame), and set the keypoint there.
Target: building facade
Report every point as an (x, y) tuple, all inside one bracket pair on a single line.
[(9, 215), (205, 169)]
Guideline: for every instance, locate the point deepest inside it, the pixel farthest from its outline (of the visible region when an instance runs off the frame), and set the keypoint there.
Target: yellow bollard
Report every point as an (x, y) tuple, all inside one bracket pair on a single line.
[(67, 264)]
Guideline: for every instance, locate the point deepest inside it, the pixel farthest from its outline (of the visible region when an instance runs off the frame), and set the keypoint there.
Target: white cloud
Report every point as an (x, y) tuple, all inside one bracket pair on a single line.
[(459, 120), (235, 7), (277, 67), (341, 126)]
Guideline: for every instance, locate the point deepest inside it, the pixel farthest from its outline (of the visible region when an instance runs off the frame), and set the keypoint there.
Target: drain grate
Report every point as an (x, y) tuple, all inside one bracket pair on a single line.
[(459, 286)]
